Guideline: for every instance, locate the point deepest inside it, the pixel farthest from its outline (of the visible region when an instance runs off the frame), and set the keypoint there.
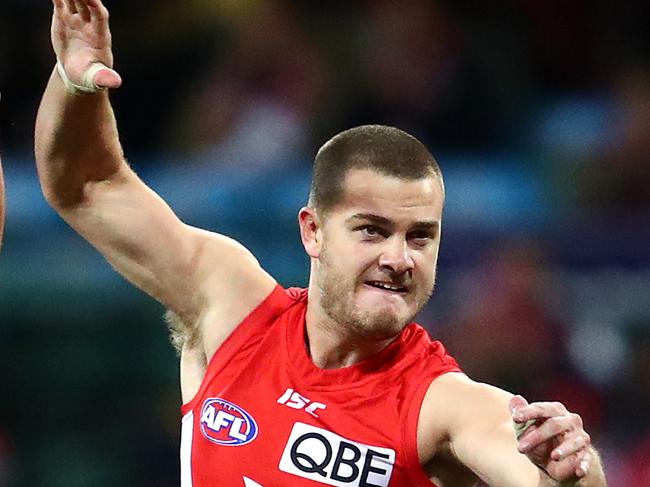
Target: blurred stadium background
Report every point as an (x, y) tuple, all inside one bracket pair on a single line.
[(538, 112)]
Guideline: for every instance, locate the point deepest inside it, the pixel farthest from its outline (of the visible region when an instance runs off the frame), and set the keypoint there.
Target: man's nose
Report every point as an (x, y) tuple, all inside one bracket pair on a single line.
[(396, 256)]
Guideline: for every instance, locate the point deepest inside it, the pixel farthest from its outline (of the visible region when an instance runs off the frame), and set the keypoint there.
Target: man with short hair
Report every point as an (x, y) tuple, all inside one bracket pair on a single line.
[(329, 385)]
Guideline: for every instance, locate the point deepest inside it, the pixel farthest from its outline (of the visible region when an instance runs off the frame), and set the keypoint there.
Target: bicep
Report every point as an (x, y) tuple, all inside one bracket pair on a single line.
[(481, 435), (142, 238)]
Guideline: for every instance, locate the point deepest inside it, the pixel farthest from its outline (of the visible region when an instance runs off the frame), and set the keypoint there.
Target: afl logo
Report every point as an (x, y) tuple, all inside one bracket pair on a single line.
[(225, 423)]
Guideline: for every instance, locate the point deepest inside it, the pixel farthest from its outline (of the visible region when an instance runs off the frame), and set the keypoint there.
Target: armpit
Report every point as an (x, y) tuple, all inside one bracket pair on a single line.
[(180, 333)]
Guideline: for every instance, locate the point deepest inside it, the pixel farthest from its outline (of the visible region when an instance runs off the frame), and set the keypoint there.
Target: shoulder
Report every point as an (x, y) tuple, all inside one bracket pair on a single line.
[(420, 345), (207, 356), (251, 320)]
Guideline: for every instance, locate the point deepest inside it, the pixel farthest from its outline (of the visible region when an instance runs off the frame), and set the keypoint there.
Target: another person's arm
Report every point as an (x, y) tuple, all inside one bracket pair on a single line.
[(478, 423), (2, 204), (206, 279)]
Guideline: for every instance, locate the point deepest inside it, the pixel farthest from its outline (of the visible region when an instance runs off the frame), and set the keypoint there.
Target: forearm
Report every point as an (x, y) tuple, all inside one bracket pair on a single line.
[(76, 142), (595, 475)]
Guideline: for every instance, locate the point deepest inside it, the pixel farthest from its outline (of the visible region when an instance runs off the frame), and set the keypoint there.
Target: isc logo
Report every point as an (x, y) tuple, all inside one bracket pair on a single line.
[(294, 400), (323, 456), (225, 423)]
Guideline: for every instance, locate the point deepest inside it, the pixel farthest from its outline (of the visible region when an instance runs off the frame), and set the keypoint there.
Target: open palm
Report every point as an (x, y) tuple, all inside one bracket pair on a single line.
[(81, 37)]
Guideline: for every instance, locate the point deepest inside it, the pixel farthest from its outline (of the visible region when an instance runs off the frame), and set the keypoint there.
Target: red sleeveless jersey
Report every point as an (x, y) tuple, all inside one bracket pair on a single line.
[(266, 415)]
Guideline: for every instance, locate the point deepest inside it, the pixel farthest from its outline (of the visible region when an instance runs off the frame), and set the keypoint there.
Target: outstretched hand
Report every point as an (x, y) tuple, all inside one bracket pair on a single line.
[(80, 38), (555, 441)]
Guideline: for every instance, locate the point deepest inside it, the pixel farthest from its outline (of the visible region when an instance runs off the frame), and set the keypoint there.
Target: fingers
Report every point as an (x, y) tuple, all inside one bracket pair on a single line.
[(567, 426), (516, 404), (584, 465), (99, 16), (538, 410), (574, 443), (521, 428), (97, 9), (574, 466), (96, 4), (82, 9), (70, 6), (87, 9)]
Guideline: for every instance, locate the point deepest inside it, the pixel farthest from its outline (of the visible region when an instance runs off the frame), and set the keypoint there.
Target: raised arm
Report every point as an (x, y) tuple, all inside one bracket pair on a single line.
[(208, 280), (477, 420)]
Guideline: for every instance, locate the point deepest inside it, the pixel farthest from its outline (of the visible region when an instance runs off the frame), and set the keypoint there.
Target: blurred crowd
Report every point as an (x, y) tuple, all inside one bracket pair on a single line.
[(562, 87), (514, 321), (260, 83)]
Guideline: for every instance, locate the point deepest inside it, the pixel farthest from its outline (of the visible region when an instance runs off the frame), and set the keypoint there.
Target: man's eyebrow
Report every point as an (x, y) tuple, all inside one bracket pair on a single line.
[(381, 220), (371, 217), (426, 225)]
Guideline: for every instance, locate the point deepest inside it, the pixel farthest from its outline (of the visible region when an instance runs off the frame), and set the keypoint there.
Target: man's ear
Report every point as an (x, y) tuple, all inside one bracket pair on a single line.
[(311, 231)]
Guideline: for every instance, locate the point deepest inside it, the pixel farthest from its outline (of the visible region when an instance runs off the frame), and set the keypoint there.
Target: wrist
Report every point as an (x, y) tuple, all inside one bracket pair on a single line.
[(87, 86), (546, 480)]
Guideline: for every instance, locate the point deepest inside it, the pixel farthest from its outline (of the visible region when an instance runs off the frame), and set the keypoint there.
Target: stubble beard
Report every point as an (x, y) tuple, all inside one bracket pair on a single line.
[(337, 293)]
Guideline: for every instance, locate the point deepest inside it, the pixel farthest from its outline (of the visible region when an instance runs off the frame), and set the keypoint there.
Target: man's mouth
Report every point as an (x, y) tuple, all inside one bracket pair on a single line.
[(387, 286)]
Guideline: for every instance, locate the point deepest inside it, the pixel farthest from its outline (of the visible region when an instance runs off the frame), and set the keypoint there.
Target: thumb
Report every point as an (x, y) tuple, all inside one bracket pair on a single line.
[(516, 403), (107, 78)]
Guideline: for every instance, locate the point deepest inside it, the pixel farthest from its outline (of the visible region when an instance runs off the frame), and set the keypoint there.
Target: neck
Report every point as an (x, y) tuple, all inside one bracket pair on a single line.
[(330, 344)]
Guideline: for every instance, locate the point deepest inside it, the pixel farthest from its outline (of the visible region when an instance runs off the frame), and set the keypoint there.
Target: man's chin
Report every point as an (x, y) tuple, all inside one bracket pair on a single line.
[(383, 325)]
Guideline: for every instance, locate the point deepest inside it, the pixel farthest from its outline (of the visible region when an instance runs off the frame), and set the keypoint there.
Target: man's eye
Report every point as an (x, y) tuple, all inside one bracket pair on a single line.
[(420, 238), (371, 231)]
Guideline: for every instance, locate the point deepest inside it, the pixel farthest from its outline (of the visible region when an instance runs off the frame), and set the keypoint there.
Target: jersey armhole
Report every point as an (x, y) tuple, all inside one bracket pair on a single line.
[(410, 435), (278, 300)]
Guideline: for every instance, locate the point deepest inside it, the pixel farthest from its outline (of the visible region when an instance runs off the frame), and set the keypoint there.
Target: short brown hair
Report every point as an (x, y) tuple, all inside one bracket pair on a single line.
[(386, 150)]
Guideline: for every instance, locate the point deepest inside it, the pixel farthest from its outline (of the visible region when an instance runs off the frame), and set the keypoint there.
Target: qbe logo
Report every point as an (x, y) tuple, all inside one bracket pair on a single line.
[(225, 423), (323, 456)]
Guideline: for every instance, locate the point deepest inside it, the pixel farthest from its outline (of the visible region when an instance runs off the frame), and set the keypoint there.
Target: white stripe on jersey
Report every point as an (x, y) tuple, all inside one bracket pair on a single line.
[(187, 429), (251, 483)]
